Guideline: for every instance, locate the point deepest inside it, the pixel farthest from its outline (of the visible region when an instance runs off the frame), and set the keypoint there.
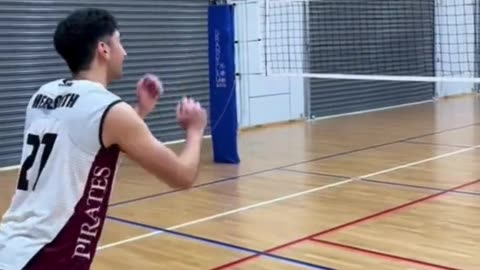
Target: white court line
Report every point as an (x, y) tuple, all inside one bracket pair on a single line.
[(16, 167), (11, 168), (283, 198), (224, 214)]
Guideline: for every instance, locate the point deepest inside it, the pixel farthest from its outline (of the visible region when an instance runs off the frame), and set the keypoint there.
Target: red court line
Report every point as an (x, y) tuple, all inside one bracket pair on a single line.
[(384, 256), (347, 225)]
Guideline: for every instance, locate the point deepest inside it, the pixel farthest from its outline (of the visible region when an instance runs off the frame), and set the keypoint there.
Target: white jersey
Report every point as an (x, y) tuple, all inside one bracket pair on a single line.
[(64, 185)]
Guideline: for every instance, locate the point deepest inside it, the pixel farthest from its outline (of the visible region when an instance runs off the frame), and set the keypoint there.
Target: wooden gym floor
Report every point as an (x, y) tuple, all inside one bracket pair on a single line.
[(394, 189)]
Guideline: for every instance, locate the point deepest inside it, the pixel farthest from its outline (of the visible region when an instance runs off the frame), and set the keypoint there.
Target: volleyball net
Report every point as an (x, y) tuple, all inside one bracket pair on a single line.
[(398, 40)]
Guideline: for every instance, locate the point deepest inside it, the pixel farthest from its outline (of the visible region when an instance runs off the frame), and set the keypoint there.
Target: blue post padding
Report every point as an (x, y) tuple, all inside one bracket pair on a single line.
[(223, 109)]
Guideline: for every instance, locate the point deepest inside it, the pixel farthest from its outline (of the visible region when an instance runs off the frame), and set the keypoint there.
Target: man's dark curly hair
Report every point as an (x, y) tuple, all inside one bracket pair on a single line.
[(76, 37)]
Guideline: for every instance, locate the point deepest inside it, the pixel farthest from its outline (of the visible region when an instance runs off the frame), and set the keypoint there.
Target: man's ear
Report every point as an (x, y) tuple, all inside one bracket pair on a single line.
[(103, 49)]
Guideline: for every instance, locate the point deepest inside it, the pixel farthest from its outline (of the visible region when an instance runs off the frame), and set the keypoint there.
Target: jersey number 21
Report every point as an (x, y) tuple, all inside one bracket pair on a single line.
[(34, 140)]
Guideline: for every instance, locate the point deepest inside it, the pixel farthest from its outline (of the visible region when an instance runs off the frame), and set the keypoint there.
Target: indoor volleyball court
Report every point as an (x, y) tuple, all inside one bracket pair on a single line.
[(381, 172)]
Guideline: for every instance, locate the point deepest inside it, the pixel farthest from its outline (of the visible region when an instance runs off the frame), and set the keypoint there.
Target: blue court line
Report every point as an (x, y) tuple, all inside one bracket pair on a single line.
[(420, 187), (290, 165), (228, 246)]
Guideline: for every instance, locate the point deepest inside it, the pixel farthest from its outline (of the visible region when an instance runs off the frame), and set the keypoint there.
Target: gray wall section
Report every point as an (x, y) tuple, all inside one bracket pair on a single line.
[(375, 37), (168, 38)]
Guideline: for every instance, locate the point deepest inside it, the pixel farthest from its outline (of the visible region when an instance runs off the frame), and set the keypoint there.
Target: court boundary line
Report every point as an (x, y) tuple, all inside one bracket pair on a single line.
[(348, 224), (373, 253), (439, 144), (315, 173), (225, 179), (286, 197), (218, 243), (380, 182)]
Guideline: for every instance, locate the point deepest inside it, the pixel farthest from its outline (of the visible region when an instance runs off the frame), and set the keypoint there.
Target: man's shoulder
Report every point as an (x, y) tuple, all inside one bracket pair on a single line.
[(81, 87), (86, 95), (48, 86), (46, 89)]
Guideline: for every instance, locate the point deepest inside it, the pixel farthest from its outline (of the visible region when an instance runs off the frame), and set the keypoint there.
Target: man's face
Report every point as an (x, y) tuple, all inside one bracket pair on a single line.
[(114, 57)]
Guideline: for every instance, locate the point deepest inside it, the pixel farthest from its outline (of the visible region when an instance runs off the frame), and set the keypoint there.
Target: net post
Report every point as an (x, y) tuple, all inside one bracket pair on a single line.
[(223, 109)]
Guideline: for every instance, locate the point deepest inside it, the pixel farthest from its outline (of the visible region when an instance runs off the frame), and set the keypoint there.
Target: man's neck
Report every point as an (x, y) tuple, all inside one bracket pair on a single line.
[(94, 76)]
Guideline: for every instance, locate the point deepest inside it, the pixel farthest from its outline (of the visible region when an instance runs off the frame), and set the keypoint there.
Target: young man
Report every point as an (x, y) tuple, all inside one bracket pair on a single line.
[(74, 131)]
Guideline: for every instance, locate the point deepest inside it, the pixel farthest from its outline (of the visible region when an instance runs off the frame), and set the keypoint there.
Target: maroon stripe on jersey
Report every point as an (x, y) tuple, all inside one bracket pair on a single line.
[(75, 245)]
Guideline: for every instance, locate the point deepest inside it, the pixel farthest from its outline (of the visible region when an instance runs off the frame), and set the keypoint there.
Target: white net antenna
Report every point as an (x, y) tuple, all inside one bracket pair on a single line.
[(398, 40)]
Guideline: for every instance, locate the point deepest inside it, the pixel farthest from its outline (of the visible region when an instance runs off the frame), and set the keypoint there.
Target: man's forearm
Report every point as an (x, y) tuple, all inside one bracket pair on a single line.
[(191, 153)]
